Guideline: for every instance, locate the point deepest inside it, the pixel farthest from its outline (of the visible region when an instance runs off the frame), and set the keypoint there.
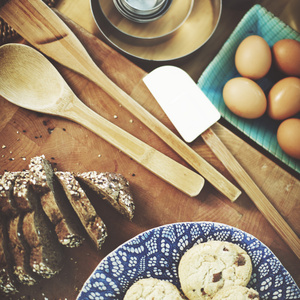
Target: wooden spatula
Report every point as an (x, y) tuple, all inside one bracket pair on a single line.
[(40, 26)]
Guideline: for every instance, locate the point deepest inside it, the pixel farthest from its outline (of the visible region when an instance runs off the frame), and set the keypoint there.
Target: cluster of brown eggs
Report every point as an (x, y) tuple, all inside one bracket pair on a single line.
[(245, 98)]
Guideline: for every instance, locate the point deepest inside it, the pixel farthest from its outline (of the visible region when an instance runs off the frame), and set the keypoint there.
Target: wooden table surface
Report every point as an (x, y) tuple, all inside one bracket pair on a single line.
[(24, 134)]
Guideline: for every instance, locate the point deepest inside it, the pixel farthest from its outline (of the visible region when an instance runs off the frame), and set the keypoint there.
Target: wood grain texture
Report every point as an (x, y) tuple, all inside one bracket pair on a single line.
[(39, 25), (252, 190), (71, 147), (23, 67)]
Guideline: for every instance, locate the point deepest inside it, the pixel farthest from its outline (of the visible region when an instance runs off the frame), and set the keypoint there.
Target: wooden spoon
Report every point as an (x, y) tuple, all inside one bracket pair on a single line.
[(29, 80), (44, 30)]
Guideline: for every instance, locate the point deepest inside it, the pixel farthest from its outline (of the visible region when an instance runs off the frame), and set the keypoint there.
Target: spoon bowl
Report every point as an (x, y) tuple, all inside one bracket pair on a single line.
[(29, 80)]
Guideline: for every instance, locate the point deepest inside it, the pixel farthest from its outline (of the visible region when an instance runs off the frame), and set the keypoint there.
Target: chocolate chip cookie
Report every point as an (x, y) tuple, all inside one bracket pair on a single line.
[(236, 293), (152, 288), (208, 267)]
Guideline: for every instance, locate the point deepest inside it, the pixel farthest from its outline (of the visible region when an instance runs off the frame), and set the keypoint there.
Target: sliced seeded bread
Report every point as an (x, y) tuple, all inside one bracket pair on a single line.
[(46, 253), (54, 202), (7, 205), (20, 252), (113, 187), (8, 282), (20, 192), (92, 223)]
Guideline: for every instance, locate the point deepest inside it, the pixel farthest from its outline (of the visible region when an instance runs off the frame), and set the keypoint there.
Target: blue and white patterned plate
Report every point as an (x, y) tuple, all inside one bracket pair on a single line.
[(257, 21), (156, 253)]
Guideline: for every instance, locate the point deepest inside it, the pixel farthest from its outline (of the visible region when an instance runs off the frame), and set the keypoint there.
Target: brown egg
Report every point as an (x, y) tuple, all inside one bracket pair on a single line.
[(288, 136), (245, 98), (286, 56), (284, 98), (253, 57)]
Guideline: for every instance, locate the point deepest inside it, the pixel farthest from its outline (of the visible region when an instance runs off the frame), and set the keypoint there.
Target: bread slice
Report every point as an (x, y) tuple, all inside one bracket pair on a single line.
[(20, 192), (81, 204), (7, 205), (113, 187), (54, 202), (20, 252), (46, 253), (8, 282)]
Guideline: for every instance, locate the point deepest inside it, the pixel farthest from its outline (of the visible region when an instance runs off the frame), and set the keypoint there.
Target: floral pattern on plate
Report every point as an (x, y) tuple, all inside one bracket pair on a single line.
[(157, 252)]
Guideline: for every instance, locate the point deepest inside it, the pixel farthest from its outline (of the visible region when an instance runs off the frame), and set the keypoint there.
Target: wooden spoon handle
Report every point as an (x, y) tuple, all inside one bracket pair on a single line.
[(164, 167), (252, 190), (40, 26)]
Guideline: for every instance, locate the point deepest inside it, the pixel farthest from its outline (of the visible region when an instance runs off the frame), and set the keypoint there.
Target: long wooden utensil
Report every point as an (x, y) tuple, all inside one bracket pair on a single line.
[(253, 191), (41, 27), (29, 80), (173, 100)]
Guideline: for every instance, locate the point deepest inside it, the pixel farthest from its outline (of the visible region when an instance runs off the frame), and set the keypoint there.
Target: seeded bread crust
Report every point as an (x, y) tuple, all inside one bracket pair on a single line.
[(81, 204), (46, 253), (54, 203), (113, 188), (20, 192), (7, 205), (8, 282), (20, 253)]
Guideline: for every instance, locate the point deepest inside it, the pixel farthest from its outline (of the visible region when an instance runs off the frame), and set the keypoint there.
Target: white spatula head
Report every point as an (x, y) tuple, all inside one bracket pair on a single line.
[(182, 100)]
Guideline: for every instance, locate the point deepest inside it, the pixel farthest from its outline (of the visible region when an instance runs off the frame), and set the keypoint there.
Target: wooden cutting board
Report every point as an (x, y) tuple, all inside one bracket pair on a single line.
[(70, 147)]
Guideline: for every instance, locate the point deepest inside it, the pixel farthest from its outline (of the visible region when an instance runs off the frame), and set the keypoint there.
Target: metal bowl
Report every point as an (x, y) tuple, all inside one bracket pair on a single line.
[(193, 34), (166, 25), (143, 7), (143, 16)]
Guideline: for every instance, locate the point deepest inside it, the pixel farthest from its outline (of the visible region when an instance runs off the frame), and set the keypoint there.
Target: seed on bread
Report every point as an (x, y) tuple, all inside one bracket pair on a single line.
[(20, 192), (20, 252), (44, 210), (114, 188), (81, 204), (46, 254), (54, 202), (8, 281), (7, 205)]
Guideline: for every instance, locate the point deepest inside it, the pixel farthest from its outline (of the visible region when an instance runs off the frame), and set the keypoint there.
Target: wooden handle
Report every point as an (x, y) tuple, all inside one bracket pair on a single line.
[(252, 190), (161, 165), (40, 26)]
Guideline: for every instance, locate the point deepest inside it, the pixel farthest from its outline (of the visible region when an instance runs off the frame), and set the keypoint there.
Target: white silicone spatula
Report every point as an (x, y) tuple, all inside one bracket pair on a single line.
[(166, 81), (184, 103)]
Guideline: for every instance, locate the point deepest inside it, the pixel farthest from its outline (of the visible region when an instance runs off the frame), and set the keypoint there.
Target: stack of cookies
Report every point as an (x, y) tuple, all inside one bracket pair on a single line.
[(211, 270), (216, 270), (152, 288)]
